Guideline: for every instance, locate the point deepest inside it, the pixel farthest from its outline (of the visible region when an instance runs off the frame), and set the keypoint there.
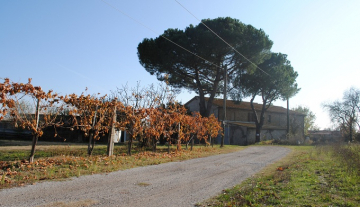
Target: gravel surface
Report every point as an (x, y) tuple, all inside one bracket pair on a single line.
[(171, 184)]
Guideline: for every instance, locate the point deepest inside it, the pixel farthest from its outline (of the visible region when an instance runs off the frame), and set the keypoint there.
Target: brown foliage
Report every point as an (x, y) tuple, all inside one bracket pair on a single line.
[(10, 103), (148, 117)]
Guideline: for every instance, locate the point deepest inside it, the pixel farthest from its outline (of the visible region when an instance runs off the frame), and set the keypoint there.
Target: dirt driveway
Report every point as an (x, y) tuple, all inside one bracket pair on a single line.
[(171, 184)]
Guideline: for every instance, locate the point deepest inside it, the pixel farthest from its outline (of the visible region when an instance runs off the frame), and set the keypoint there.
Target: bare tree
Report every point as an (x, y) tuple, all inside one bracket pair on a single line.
[(345, 113)]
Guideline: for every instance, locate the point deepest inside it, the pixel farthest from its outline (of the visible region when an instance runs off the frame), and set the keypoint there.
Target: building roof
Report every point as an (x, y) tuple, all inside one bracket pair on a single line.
[(246, 106)]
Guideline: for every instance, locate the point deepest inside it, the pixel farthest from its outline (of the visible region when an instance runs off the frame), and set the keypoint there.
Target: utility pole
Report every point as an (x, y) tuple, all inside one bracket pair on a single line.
[(224, 106)]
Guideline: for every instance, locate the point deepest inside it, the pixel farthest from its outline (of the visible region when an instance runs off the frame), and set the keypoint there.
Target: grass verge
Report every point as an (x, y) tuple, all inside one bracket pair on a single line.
[(309, 176), (60, 162)]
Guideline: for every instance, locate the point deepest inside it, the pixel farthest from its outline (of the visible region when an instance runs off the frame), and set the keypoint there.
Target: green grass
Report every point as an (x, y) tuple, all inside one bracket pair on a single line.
[(55, 150), (309, 176)]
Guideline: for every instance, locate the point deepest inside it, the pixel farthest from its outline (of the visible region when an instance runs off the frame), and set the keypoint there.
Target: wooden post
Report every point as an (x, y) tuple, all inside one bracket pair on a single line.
[(91, 136), (287, 119), (178, 147), (110, 146), (35, 136)]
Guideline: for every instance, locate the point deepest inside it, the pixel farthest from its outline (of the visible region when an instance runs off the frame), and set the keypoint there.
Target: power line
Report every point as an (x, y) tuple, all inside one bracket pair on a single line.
[(220, 37), (140, 23)]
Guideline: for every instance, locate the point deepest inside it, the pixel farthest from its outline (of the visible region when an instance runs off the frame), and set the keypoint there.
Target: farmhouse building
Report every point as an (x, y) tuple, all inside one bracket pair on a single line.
[(240, 121)]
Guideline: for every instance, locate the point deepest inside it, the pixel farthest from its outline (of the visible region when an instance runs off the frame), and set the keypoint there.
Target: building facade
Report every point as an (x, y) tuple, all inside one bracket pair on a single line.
[(240, 121)]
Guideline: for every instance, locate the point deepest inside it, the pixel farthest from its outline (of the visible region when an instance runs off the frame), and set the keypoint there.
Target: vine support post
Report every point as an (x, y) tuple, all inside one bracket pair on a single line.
[(178, 147), (110, 146)]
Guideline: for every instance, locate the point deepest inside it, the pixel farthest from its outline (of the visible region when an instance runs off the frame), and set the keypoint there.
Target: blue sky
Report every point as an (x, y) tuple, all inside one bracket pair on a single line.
[(70, 45)]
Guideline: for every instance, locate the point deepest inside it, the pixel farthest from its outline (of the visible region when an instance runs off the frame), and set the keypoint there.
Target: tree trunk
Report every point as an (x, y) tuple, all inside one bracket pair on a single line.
[(259, 120), (351, 132), (178, 146), (34, 142), (91, 143), (129, 146), (192, 144), (154, 144), (258, 133), (35, 136), (205, 107), (202, 104)]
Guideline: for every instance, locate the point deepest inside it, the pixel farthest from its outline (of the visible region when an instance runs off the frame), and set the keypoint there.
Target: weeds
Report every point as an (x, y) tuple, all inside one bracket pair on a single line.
[(349, 155), (309, 176)]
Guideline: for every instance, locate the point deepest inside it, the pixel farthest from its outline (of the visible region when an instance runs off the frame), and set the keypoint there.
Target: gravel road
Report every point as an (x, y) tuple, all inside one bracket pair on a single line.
[(171, 184)]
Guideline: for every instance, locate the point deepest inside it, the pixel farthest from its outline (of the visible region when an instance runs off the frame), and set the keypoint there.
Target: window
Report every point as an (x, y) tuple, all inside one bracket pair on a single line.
[(269, 118)]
